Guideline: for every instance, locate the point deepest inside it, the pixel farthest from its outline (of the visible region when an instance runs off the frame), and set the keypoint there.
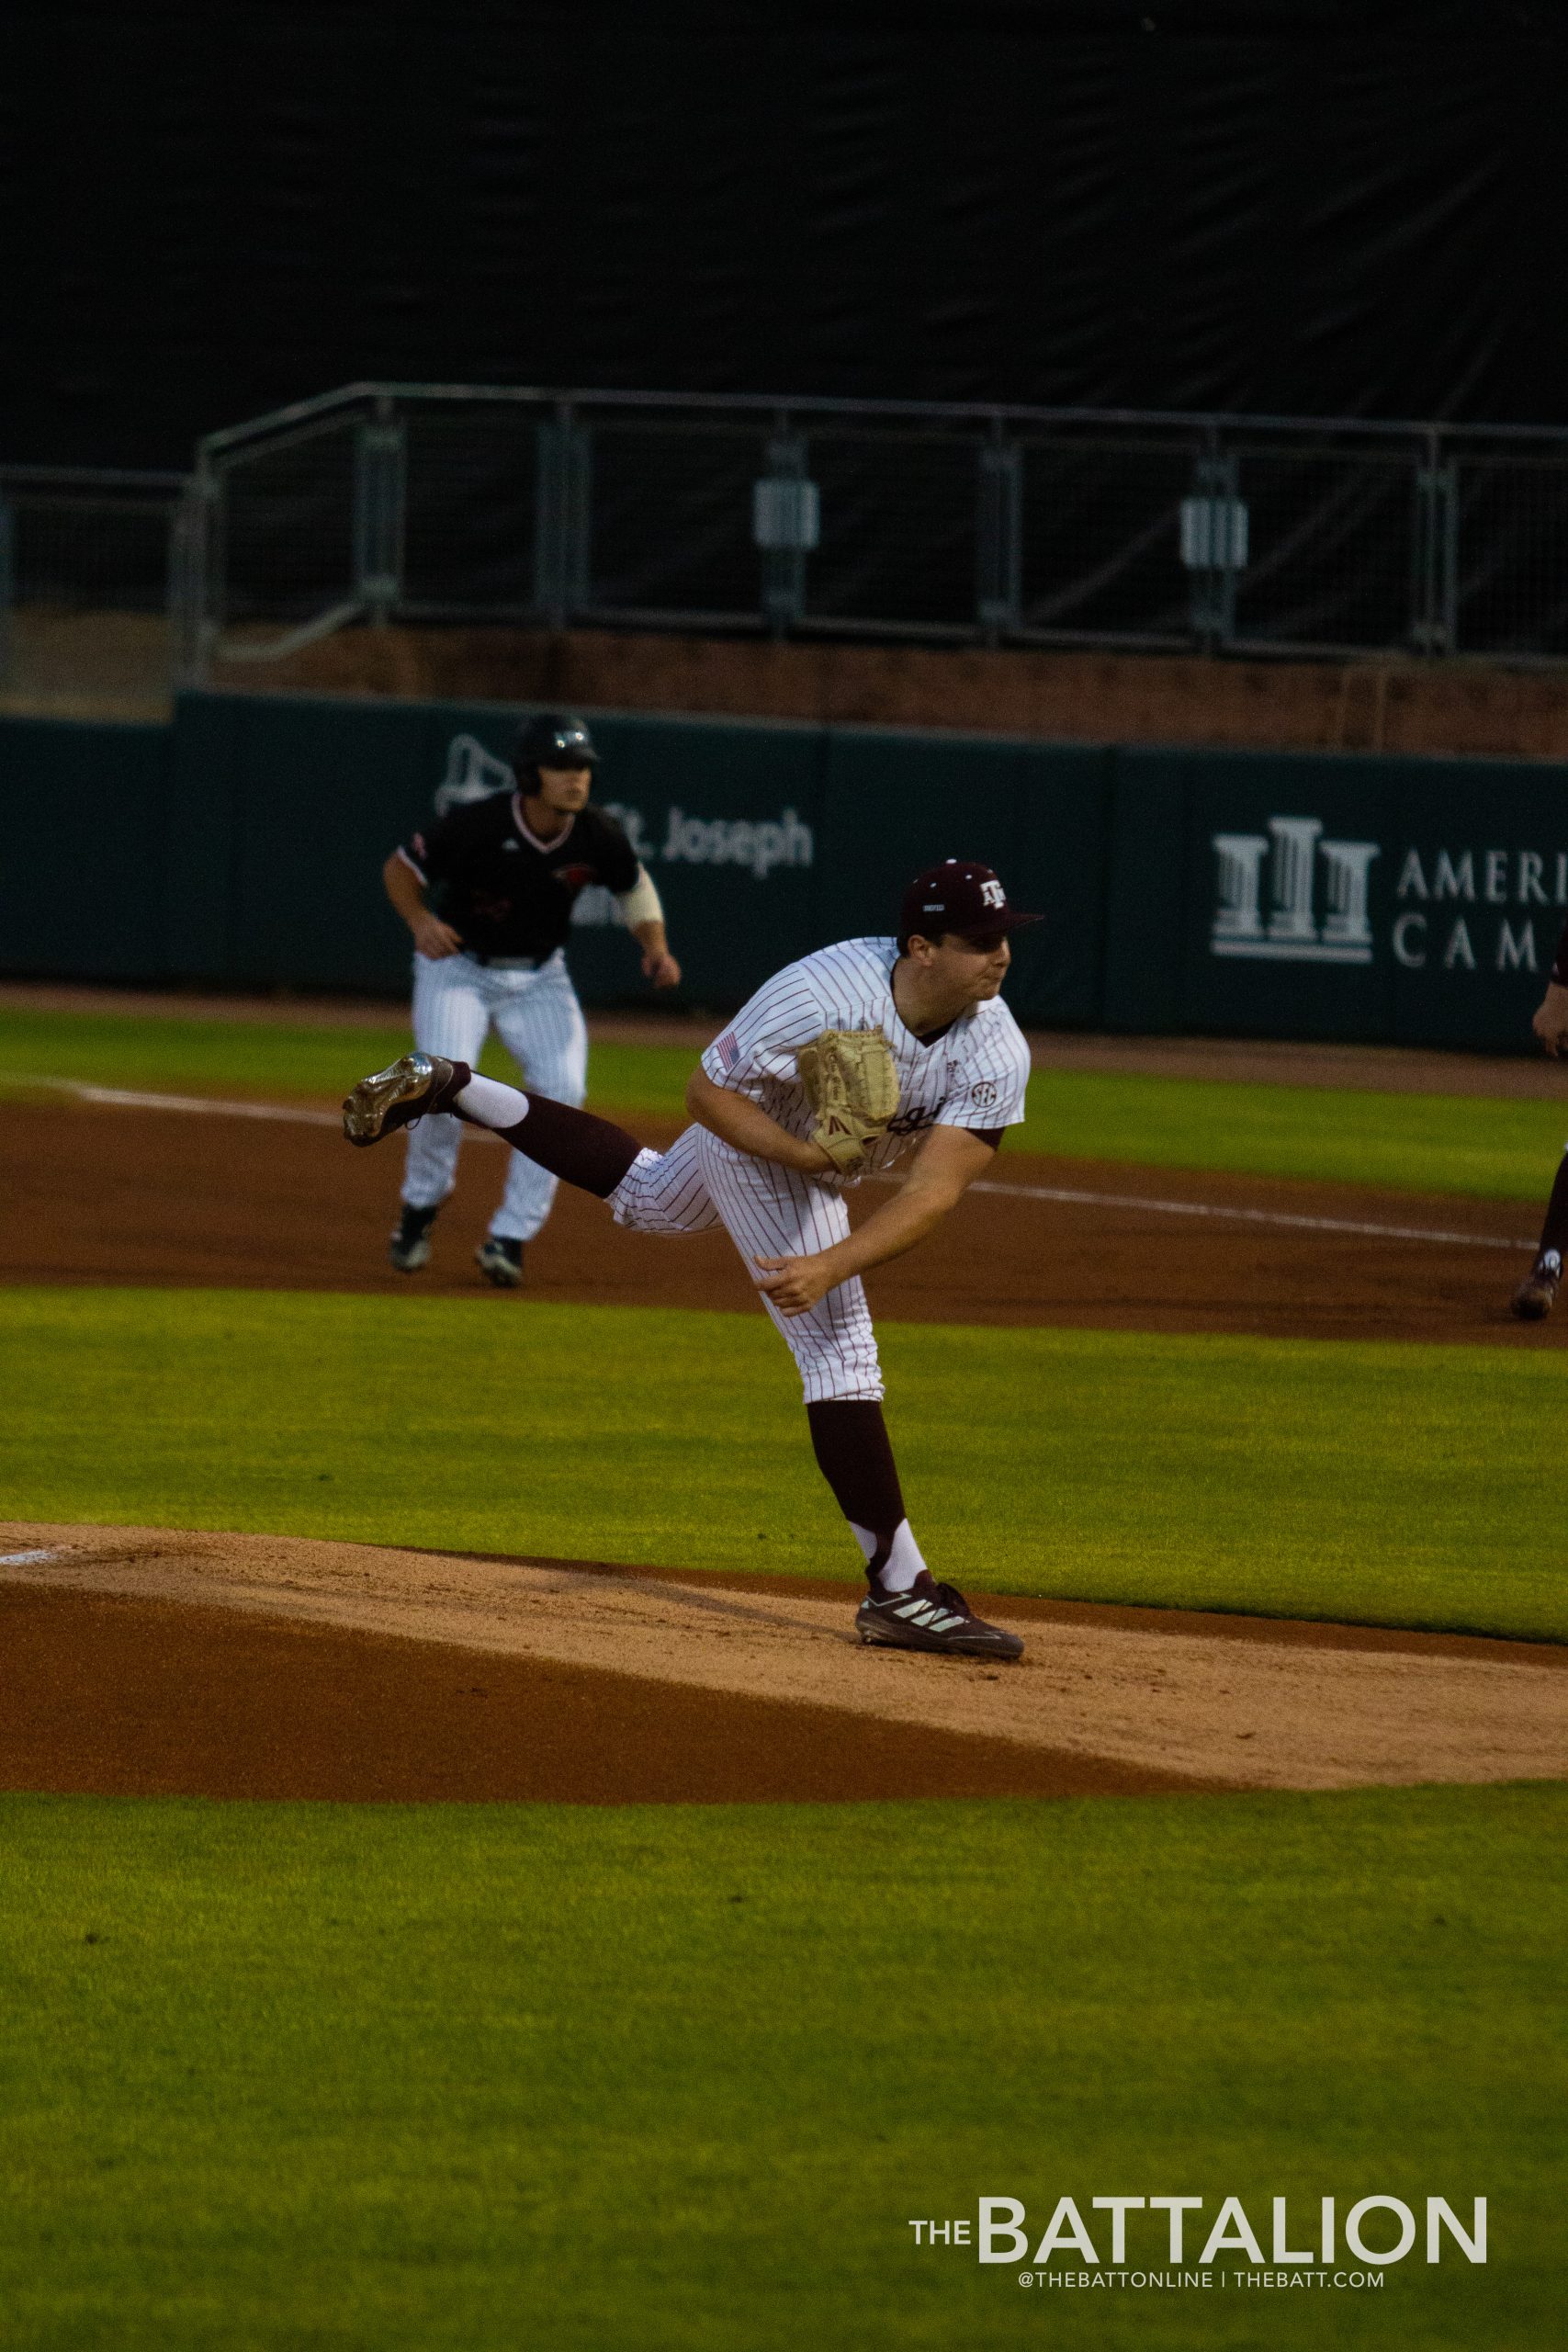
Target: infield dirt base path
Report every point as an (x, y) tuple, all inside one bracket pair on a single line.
[(113, 1194), (140, 1660)]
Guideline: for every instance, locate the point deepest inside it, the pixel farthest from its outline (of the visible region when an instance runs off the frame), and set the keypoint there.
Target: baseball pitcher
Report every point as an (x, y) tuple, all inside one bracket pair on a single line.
[(876, 1054)]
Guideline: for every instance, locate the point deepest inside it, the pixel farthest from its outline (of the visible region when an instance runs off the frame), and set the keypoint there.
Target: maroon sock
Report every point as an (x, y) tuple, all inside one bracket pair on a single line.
[(574, 1145), (1554, 1232), (855, 1454)]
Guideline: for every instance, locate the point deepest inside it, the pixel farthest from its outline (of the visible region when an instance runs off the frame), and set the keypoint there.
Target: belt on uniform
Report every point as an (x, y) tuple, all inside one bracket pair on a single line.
[(507, 962)]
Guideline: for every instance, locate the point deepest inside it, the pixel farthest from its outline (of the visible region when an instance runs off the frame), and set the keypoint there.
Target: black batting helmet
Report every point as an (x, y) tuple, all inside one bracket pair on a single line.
[(554, 740)]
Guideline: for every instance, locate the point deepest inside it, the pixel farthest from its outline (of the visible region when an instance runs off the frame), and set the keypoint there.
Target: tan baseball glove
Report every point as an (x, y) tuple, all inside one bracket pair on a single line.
[(852, 1083)]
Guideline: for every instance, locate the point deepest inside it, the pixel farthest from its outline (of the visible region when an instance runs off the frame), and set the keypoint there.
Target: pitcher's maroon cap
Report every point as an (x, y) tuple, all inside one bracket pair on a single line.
[(959, 896)]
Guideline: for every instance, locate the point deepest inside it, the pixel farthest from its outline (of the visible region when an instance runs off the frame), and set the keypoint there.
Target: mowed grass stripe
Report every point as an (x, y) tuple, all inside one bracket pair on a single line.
[(1388, 1484), (454, 2079), (1498, 1149), (1489, 1149), (287, 1059)]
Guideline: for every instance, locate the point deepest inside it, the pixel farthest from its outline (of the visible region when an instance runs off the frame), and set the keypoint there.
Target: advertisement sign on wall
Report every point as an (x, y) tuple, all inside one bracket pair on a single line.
[(1243, 894), (1411, 902)]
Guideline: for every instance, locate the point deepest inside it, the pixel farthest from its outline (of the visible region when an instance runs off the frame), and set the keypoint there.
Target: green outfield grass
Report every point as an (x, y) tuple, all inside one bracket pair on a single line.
[(1498, 1148), (1503, 1149), (676, 2080), (1398, 1485)]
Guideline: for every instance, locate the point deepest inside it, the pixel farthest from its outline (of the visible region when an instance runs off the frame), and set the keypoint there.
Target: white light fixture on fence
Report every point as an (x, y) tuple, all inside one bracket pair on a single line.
[(1213, 547), (786, 524), (1213, 534), (786, 515)]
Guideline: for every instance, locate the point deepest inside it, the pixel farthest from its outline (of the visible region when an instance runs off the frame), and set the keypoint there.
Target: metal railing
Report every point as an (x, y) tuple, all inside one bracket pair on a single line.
[(86, 575), (950, 522)]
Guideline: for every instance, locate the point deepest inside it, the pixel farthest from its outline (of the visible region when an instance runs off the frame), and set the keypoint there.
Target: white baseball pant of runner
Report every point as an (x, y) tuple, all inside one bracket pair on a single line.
[(768, 1212), (539, 1021)]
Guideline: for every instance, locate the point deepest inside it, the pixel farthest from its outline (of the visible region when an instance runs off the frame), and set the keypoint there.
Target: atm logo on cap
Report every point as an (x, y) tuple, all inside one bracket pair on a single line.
[(1289, 931)]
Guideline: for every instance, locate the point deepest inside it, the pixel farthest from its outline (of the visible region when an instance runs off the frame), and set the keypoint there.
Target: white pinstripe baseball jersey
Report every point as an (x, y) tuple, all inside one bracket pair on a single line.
[(973, 1075)]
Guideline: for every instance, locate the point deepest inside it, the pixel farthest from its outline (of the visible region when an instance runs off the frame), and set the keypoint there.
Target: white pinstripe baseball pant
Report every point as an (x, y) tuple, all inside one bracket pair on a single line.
[(538, 1019), (768, 1212)]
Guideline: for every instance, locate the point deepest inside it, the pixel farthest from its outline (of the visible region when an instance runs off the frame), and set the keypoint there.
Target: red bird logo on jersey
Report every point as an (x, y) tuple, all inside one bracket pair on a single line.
[(574, 877)]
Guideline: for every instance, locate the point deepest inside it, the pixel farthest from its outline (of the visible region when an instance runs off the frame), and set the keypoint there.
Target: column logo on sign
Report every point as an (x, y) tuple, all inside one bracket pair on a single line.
[(1303, 872)]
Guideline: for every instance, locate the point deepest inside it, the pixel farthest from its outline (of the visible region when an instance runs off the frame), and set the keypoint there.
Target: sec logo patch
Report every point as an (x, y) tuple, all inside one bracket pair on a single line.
[(984, 1095)]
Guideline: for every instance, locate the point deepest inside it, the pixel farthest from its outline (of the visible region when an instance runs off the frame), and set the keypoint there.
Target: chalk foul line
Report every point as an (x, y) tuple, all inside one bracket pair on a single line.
[(123, 1098), (1284, 1217)]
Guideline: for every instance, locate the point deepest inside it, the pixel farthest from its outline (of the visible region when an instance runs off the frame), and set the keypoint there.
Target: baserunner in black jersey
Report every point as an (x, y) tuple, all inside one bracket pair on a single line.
[(488, 892)]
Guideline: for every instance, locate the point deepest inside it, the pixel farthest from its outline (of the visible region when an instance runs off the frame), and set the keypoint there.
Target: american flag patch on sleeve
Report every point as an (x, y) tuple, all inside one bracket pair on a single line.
[(726, 1050)]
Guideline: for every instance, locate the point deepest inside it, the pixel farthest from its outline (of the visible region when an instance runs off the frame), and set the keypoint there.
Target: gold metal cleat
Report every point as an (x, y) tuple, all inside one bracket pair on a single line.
[(394, 1097)]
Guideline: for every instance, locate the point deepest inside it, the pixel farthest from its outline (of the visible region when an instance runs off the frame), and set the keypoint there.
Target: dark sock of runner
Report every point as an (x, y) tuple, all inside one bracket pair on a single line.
[(591, 1153), (1554, 1232), (855, 1454)]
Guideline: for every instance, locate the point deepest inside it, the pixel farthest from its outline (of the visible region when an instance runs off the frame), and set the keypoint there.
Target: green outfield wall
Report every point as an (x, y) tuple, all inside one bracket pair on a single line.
[(1265, 894)]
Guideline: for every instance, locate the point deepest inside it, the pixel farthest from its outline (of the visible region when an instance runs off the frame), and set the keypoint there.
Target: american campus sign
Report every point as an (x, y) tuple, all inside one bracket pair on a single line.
[(1409, 901), (1294, 896)]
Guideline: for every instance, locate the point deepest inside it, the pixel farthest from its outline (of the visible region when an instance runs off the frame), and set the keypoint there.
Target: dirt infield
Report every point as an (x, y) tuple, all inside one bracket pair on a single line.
[(277, 1203), (140, 1660)]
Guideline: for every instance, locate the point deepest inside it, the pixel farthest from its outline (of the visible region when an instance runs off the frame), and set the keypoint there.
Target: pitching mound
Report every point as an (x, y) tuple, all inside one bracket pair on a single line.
[(140, 1661)]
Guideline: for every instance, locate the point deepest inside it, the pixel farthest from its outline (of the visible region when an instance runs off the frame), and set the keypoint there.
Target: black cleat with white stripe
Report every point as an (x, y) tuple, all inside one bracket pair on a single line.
[(934, 1617)]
